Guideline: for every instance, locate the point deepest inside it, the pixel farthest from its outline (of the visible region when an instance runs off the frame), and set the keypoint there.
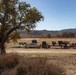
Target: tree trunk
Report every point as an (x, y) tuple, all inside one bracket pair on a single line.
[(2, 51)]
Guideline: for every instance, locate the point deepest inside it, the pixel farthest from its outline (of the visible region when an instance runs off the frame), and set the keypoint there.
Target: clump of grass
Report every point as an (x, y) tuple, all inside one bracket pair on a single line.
[(39, 66), (8, 61), (13, 64)]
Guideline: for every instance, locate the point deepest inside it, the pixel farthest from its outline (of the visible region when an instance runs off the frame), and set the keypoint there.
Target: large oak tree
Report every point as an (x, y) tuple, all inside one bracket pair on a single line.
[(14, 15)]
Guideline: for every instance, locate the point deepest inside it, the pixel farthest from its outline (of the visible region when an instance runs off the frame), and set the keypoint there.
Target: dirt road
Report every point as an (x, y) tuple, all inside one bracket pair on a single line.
[(23, 50)]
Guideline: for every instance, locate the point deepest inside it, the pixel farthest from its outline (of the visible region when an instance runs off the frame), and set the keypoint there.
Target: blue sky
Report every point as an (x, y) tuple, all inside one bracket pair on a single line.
[(59, 14)]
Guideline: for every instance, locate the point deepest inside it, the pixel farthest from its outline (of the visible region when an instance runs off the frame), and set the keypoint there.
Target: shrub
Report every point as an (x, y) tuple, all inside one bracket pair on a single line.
[(13, 64), (39, 66), (8, 61)]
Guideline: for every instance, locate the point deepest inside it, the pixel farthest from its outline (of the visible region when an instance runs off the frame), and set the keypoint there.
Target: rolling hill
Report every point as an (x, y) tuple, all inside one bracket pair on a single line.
[(39, 32)]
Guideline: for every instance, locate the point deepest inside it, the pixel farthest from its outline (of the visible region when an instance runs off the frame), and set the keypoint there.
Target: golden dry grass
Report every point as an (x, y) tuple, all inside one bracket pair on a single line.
[(48, 40), (68, 61)]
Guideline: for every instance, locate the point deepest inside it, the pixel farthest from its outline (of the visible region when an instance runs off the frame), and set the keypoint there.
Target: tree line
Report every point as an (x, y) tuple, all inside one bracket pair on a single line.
[(48, 35)]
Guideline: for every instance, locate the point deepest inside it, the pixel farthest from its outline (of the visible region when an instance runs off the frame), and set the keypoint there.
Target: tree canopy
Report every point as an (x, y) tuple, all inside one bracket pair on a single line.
[(14, 15)]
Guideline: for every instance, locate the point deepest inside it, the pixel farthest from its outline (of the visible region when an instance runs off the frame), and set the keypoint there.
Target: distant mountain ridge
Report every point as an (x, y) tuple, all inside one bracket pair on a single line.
[(39, 32)]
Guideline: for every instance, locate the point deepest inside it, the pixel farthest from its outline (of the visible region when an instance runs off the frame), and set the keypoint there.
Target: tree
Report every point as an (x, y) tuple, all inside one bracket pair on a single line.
[(14, 36), (58, 35), (71, 34), (48, 35), (64, 35), (14, 15), (68, 35), (43, 35)]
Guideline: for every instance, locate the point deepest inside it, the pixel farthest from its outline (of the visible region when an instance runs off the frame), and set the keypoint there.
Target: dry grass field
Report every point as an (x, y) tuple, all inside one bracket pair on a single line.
[(64, 57), (39, 40), (48, 40)]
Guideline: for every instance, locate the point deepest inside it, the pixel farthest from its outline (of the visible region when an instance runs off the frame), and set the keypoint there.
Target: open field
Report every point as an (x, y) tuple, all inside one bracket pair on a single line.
[(11, 47), (63, 57), (48, 40), (39, 40)]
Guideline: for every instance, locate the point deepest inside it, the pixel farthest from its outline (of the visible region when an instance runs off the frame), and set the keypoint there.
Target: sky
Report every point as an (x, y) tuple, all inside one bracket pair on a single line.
[(58, 14)]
